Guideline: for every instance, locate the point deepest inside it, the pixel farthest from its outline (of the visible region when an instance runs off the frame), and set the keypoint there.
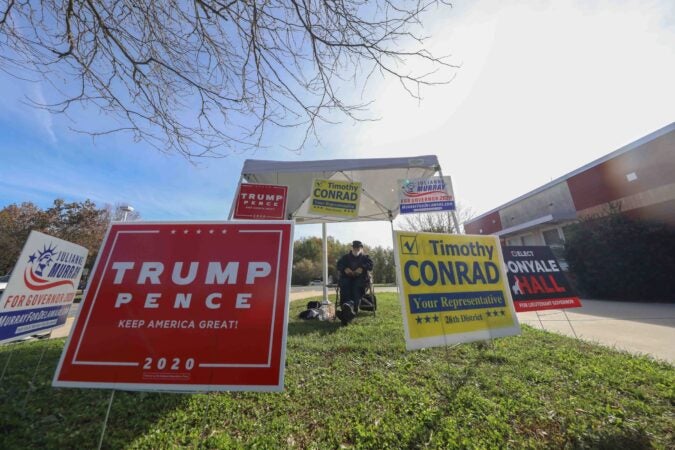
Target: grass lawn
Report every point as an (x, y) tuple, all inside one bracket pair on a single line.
[(356, 386)]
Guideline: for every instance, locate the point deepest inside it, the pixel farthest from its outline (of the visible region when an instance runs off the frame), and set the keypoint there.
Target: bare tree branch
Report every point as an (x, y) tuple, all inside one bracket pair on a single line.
[(209, 77)]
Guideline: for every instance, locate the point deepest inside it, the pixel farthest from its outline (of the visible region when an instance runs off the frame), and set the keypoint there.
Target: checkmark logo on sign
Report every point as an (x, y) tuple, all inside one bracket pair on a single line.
[(408, 245)]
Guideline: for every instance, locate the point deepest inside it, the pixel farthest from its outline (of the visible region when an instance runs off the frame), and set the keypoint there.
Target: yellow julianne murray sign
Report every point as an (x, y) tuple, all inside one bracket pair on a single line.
[(335, 198), (453, 289)]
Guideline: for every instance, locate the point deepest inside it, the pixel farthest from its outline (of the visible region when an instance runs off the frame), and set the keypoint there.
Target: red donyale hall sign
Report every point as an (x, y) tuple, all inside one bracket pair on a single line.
[(260, 201), (184, 307)]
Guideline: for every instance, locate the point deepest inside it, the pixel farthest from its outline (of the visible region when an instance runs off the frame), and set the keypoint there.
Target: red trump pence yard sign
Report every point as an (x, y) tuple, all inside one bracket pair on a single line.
[(260, 201), (184, 307)]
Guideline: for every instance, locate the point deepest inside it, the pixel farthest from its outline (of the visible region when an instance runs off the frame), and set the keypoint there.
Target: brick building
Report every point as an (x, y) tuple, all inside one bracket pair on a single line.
[(640, 176)]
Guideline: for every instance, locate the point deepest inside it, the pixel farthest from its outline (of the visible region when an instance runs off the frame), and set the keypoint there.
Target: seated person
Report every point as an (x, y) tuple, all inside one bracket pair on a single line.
[(353, 268)]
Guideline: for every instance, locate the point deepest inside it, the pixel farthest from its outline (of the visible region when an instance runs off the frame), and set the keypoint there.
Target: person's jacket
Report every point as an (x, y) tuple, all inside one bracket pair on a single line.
[(354, 262)]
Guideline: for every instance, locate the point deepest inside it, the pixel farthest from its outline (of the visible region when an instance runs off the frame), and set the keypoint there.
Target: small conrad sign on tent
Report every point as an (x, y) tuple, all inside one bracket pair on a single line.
[(335, 198), (184, 307)]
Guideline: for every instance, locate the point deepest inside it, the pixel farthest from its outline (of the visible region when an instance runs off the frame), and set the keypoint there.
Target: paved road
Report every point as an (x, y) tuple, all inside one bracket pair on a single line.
[(641, 328)]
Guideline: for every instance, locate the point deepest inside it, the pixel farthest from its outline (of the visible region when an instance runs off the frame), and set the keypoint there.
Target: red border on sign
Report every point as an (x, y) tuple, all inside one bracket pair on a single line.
[(103, 352), (546, 303), (276, 211)]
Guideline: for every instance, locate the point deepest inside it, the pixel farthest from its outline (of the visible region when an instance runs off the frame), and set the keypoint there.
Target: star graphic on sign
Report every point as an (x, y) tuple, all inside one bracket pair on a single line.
[(502, 312), (488, 313), (419, 320), (427, 319), (173, 231), (210, 231), (436, 319), (495, 313), (185, 232), (32, 257), (199, 231)]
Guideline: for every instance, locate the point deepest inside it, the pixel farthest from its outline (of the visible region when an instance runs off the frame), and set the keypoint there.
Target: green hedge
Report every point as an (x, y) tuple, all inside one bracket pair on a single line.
[(616, 257)]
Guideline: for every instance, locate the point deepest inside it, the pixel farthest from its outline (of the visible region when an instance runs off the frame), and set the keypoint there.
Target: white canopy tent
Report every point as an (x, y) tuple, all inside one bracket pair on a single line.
[(379, 178)]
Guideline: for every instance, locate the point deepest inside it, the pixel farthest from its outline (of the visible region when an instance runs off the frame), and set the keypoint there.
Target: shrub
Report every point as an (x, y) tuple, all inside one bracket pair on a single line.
[(617, 257)]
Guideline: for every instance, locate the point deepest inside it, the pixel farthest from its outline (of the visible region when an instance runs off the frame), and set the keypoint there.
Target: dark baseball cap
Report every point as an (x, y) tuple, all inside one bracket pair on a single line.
[(357, 244)]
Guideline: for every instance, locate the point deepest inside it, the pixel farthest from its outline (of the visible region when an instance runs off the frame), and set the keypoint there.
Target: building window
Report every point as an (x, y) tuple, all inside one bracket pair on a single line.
[(514, 241), (529, 239), (567, 230), (552, 237), (555, 239)]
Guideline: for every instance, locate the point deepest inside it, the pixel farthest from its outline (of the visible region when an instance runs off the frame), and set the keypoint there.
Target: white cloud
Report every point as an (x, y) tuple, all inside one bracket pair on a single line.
[(44, 117), (544, 88)]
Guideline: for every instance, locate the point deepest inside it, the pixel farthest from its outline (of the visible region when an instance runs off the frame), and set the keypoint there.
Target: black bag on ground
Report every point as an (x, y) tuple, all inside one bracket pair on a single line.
[(313, 305), (308, 314), (368, 302)]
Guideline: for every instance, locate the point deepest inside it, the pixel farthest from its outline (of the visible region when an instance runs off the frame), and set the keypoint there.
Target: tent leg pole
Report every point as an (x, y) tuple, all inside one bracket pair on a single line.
[(234, 200), (324, 250), (455, 221), (393, 236), (453, 213)]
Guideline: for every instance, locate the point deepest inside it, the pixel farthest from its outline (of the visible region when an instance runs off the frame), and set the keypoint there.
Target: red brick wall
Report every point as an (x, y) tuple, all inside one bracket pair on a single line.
[(653, 163), (485, 223)]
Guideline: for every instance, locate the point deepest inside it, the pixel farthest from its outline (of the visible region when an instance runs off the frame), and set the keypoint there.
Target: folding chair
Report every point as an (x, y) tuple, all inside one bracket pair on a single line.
[(368, 300)]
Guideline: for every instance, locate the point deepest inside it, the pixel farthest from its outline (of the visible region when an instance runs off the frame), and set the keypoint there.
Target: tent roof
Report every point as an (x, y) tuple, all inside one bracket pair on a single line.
[(378, 177)]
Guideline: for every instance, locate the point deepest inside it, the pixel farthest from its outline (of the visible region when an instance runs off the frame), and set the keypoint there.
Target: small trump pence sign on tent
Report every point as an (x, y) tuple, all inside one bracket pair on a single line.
[(260, 201), (453, 289)]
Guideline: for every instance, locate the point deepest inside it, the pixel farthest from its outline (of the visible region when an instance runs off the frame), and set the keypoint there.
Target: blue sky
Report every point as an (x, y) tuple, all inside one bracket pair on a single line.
[(544, 87)]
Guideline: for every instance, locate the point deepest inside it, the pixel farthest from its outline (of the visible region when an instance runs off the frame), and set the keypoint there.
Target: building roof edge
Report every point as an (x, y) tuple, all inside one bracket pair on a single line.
[(626, 148)]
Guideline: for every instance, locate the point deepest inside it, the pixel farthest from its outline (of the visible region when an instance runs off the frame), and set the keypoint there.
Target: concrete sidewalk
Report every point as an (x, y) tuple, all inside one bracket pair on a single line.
[(640, 328)]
